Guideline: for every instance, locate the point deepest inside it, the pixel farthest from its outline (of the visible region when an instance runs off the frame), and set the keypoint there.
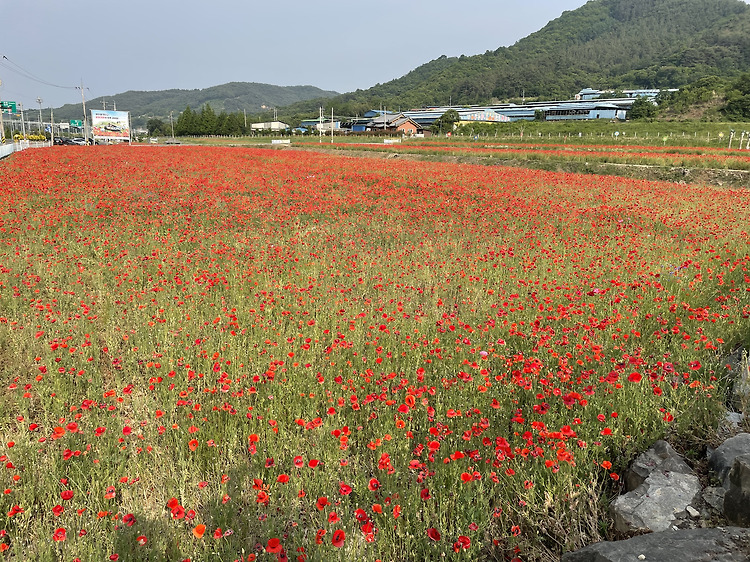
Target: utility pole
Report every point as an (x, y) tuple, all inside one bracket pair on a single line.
[(2, 125), (41, 125), (104, 105), (320, 124), (23, 123), (83, 101), (244, 112), (114, 105), (331, 123), (52, 125), (171, 122)]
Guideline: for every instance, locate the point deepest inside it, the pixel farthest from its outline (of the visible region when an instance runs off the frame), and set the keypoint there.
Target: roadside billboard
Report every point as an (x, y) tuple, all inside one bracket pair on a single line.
[(113, 125)]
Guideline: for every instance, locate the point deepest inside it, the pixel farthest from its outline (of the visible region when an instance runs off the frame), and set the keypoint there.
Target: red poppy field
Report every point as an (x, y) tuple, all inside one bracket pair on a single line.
[(672, 156), (249, 354)]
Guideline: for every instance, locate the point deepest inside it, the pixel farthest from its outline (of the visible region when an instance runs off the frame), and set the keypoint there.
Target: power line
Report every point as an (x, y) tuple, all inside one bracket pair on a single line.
[(17, 69)]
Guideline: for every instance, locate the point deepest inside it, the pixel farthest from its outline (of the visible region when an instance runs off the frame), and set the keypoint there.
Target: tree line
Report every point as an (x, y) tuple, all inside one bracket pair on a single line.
[(205, 122)]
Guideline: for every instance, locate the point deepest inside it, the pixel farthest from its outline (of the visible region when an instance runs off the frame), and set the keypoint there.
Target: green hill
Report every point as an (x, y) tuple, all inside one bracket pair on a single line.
[(603, 44), (232, 97)]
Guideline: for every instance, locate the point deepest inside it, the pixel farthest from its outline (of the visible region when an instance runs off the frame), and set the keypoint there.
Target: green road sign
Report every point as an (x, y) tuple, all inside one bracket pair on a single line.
[(76, 123), (8, 107)]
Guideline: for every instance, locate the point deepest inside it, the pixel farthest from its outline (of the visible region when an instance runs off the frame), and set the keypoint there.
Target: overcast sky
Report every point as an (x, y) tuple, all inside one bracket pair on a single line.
[(115, 45)]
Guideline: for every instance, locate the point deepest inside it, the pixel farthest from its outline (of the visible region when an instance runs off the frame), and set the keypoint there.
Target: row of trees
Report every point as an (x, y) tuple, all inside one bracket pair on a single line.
[(200, 123)]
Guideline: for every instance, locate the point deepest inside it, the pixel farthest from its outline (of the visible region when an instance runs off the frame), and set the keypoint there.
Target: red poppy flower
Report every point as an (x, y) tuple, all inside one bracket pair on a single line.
[(141, 540), (67, 494), (193, 444), (274, 545), (60, 535), (373, 485), (338, 538), (433, 534), (635, 377), (345, 489), (199, 531)]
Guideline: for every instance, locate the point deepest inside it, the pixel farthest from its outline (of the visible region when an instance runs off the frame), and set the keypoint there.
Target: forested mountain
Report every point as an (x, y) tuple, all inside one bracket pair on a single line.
[(230, 98), (603, 44)]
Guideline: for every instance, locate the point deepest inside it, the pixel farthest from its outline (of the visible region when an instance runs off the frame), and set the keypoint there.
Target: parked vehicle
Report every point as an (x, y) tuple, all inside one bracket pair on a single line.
[(78, 140)]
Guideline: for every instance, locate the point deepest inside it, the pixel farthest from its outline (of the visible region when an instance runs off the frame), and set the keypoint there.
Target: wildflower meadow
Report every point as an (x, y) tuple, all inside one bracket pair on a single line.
[(254, 354)]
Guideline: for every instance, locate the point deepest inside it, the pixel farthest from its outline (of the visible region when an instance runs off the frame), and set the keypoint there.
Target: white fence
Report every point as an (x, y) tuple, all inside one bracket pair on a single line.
[(10, 148), (7, 149)]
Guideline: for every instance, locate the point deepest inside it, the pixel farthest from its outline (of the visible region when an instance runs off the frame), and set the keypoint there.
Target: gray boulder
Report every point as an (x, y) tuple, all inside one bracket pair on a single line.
[(660, 456), (739, 364), (737, 496), (722, 459), (657, 503), (713, 496), (729, 544)]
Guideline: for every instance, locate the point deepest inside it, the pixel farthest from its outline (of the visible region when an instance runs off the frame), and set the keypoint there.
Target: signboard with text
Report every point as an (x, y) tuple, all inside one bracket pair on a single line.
[(8, 107), (112, 125)]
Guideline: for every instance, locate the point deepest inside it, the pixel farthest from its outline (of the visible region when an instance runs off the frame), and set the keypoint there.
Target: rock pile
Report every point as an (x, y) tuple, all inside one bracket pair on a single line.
[(664, 497)]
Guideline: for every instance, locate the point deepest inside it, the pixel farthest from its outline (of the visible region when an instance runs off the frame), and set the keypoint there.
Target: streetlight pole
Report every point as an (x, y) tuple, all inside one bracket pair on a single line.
[(171, 122)]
